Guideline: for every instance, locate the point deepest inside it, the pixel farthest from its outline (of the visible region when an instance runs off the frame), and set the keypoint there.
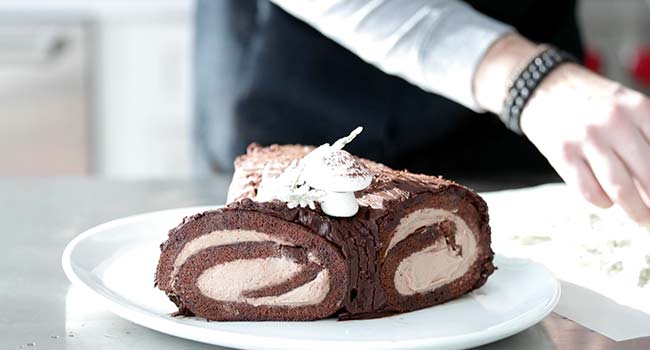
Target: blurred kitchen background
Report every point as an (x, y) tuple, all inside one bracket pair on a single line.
[(103, 87)]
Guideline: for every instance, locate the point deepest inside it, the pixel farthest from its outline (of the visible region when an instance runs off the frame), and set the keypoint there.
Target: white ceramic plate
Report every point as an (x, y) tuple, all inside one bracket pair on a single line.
[(116, 262)]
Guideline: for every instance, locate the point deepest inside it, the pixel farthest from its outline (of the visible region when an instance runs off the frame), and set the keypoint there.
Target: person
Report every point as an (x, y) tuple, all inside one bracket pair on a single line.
[(420, 76)]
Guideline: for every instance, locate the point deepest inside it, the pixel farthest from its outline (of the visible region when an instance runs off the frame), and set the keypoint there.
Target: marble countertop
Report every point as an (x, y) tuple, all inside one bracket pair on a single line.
[(40, 216)]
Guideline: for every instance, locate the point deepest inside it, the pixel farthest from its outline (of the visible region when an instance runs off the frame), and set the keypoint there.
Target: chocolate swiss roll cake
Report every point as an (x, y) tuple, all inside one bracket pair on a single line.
[(312, 233), (249, 262)]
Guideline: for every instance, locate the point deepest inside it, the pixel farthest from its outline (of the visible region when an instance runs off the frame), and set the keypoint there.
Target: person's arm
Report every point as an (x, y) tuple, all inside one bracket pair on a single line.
[(594, 131), (434, 44)]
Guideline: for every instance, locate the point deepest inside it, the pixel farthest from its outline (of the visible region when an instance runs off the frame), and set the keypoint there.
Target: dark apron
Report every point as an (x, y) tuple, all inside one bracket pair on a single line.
[(264, 76)]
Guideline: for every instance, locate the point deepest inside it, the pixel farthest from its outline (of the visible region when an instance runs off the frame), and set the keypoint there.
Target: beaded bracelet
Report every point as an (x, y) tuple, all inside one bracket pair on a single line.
[(530, 77)]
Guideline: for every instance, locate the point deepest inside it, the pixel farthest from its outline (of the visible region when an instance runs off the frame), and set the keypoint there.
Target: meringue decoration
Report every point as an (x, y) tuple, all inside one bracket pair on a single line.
[(339, 175), (290, 188), (327, 175)]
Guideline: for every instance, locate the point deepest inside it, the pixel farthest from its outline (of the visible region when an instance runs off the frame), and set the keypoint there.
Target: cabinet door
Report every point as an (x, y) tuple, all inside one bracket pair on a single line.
[(43, 112)]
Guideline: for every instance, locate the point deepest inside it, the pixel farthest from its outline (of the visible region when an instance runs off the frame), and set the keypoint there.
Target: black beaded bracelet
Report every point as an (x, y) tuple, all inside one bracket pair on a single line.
[(527, 81)]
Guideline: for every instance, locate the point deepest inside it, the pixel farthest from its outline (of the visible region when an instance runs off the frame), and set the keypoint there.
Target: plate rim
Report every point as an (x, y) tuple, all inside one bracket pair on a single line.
[(238, 340)]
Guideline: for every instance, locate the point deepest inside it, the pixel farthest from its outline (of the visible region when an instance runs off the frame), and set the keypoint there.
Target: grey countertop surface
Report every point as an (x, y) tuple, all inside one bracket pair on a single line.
[(40, 216)]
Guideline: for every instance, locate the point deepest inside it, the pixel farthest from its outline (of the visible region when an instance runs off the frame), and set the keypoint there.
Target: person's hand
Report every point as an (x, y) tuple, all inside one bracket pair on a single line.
[(596, 134)]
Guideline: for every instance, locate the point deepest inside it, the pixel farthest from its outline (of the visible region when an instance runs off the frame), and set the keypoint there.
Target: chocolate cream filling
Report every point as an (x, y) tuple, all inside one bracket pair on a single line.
[(243, 280), (439, 263), (230, 282), (220, 238)]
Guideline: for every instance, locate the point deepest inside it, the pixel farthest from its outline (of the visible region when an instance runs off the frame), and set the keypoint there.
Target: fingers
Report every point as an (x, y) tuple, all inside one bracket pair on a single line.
[(617, 181), (640, 111), (645, 196), (589, 186), (634, 150), (578, 174), (644, 125)]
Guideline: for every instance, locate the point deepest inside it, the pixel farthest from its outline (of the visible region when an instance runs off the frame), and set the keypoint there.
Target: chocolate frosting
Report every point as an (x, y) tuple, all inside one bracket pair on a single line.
[(363, 239)]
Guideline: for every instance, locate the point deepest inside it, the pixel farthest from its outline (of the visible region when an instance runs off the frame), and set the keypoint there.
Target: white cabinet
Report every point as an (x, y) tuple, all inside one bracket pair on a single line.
[(96, 87), (44, 124)]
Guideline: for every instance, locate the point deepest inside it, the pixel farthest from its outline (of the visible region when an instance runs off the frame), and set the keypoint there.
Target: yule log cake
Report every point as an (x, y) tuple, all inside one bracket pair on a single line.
[(314, 233)]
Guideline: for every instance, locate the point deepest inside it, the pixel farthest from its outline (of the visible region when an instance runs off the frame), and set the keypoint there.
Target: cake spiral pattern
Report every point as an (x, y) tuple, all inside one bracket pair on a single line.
[(416, 241), (222, 265)]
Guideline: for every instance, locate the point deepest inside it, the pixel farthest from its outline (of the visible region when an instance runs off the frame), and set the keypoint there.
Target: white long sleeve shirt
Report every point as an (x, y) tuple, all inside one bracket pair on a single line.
[(434, 44)]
